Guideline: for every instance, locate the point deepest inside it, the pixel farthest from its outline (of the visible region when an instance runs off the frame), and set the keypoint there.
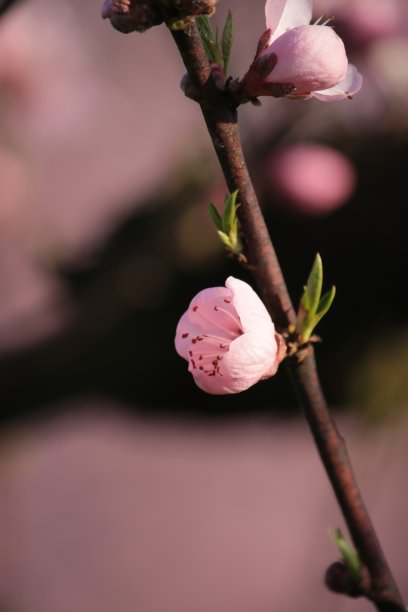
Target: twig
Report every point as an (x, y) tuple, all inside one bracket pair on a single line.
[(221, 119)]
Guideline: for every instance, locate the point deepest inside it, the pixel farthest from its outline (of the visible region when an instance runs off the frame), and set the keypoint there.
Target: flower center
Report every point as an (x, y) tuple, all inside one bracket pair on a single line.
[(220, 326)]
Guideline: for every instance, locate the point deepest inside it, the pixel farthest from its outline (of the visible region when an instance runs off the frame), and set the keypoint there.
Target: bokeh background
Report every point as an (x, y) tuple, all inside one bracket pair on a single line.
[(122, 486)]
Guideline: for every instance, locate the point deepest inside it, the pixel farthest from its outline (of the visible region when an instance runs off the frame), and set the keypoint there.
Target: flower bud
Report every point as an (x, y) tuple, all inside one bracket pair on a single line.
[(299, 60), (131, 15)]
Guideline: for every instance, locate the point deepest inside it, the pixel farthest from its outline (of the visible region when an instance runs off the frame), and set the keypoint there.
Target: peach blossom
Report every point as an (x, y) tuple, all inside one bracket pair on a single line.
[(312, 58), (228, 339)]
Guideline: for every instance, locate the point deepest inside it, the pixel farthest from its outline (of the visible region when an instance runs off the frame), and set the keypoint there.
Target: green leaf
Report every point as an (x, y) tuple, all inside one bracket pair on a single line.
[(312, 306), (227, 225), (207, 37), (230, 212), (209, 49), (234, 228), (215, 216), (225, 239), (349, 555), (204, 26), (227, 40), (311, 296), (325, 303)]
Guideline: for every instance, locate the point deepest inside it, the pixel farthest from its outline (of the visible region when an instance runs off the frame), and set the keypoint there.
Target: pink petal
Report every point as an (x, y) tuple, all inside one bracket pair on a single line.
[(250, 308), (282, 15), (311, 57), (192, 324), (251, 357), (345, 89), (186, 330)]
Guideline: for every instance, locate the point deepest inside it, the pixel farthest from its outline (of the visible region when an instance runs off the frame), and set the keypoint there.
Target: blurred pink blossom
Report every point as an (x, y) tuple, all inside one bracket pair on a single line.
[(364, 21), (228, 338), (310, 58), (313, 179)]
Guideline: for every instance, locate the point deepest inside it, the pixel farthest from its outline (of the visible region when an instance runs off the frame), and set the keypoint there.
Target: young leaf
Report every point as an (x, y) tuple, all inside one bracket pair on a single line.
[(204, 26), (207, 36), (225, 239), (349, 555), (311, 296), (226, 40), (325, 303), (312, 306), (230, 211), (215, 216), (234, 229)]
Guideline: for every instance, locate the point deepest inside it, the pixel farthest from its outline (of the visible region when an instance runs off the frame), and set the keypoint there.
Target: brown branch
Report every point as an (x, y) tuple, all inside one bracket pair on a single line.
[(333, 452), (221, 119)]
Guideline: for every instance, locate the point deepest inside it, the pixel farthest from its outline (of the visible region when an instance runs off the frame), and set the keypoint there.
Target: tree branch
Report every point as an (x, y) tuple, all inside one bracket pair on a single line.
[(221, 119)]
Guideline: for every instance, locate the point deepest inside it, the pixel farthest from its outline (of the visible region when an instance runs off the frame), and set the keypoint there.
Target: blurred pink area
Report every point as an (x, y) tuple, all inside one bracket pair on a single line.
[(366, 20), (313, 179), (83, 138), (93, 136), (103, 513)]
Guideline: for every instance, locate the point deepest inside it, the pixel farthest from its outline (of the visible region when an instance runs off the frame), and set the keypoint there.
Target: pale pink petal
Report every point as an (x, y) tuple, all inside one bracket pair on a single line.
[(251, 309), (191, 323), (310, 57), (250, 356), (345, 89), (282, 15), (184, 332), (223, 385)]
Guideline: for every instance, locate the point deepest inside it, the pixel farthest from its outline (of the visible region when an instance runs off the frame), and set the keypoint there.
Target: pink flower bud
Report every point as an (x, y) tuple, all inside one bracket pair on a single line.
[(311, 57), (299, 60), (228, 339)]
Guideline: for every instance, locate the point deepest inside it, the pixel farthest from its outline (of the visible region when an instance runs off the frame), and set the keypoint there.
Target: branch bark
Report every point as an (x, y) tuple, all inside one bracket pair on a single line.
[(221, 119)]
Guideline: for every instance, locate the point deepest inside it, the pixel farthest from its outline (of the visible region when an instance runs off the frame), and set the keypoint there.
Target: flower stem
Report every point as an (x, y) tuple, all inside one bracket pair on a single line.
[(221, 119)]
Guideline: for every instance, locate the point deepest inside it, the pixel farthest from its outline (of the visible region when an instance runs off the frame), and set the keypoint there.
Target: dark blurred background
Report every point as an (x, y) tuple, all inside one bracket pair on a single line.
[(105, 175)]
